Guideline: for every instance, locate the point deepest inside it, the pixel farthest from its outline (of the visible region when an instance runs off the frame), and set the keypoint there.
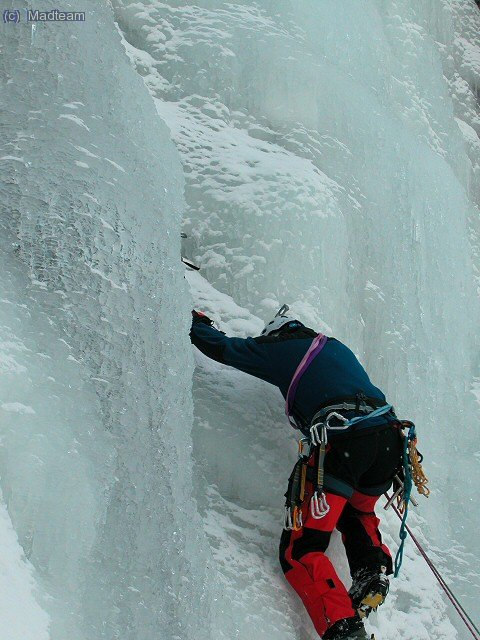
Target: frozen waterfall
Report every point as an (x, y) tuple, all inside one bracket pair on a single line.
[(320, 153)]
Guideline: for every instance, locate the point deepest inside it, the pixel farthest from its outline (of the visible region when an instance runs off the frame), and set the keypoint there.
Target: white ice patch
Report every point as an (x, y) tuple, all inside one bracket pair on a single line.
[(21, 615), (115, 164), (75, 119), (17, 407), (86, 151)]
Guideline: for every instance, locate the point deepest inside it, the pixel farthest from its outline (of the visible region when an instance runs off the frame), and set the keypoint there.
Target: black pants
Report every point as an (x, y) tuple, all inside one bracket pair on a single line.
[(363, 461)]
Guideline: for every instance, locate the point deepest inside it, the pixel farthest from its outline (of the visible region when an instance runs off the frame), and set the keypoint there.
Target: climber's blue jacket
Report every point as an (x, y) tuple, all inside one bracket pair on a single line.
[(334, 374)]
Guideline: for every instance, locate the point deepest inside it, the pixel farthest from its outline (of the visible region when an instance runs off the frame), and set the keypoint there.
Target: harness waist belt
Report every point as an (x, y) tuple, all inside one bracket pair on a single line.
[(365, 405)]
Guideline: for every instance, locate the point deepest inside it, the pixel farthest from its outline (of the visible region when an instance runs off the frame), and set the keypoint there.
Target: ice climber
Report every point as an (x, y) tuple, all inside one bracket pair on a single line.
[(351, 451)]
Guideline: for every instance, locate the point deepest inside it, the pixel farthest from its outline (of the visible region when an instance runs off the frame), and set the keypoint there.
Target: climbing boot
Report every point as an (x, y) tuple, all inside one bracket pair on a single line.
[(347, 629), (369, 590)]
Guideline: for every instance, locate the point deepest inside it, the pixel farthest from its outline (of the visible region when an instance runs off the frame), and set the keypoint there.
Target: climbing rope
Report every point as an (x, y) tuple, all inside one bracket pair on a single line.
[(418, 476), (414, 474), (451, 596), (407, 490)]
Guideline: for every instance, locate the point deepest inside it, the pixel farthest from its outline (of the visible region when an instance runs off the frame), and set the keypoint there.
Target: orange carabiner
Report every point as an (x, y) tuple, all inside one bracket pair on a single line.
[(297, 519)]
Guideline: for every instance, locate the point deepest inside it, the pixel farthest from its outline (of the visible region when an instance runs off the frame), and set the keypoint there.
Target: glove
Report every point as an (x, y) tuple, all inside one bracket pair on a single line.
[(199, 316)]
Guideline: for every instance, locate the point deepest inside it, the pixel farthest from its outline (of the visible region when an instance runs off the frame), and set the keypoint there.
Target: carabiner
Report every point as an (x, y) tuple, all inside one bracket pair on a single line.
[(318, 434), (297, 519), (319, 506), (304, 448), (288, 522), (338, 416)]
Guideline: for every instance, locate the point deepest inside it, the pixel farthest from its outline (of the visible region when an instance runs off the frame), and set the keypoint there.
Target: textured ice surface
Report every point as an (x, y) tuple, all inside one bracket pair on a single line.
[(331, 160), (22, 617), (96, 371)]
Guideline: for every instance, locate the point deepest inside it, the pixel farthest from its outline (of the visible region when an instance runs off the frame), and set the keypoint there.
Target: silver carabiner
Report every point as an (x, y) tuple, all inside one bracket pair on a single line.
[(288, 521), (334, 414), (319, 506), (318, 434), (304, 448)]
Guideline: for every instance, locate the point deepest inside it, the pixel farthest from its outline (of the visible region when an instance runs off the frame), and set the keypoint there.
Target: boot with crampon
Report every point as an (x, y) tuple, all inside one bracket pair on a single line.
[(369, 590), (347, 629)]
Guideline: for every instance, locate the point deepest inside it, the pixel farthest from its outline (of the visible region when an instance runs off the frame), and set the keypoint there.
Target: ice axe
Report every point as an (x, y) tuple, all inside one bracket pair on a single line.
[(186, 262)]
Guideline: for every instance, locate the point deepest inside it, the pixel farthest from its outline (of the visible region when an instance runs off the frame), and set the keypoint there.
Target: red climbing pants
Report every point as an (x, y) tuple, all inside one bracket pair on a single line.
[(302, 553), (310, 572)]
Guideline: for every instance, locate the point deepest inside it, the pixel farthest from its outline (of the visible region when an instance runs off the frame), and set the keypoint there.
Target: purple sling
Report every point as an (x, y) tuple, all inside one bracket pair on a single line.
[(317, 345)]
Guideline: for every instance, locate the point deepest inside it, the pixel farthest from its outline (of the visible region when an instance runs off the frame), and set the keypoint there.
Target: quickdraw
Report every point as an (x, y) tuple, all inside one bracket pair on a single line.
[(319, 506), (295, 494)]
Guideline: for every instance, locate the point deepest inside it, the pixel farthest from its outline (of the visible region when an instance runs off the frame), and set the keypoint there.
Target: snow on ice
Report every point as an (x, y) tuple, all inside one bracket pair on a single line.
[(321, 155)]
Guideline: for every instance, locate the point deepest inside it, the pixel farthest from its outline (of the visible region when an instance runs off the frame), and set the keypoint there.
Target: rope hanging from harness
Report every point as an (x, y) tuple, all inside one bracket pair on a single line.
[(412, 474), (407, 489)]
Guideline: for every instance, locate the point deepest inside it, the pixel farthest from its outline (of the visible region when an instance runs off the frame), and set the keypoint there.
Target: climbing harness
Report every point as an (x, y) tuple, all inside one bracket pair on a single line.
[(316, 441), (412, 473), (319, 506)]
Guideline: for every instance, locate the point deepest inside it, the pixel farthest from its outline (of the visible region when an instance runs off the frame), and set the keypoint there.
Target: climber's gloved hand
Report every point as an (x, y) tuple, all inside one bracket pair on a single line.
[(199, 316)]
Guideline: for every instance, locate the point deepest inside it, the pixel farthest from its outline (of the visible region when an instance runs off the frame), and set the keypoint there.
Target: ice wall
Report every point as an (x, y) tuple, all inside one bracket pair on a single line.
[(95, 401), (22, 617), (331, 155), (331, 160)]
